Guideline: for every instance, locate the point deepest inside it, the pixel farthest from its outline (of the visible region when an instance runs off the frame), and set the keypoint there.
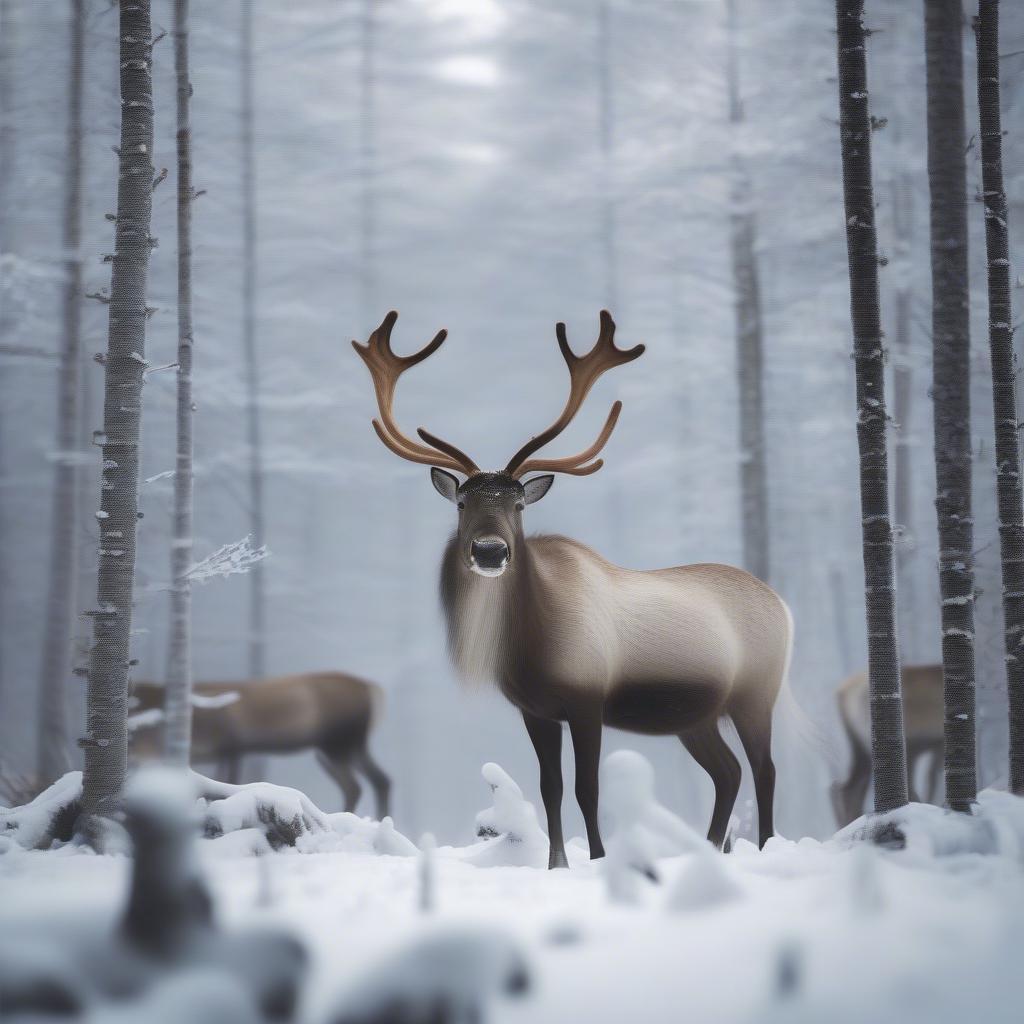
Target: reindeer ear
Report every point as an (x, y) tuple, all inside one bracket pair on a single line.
[(537, 487), (445, 484)]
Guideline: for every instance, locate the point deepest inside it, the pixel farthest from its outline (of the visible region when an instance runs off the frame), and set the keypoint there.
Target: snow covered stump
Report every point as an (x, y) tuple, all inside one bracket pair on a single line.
[(446, 975), (162, 958)]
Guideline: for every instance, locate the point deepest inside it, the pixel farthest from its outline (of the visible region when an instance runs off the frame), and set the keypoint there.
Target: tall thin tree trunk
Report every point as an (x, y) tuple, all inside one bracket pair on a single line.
[(178, 695), (749, 332), (105, 741), (1004, 379), (7, 140), (947, 178), (367, 167), (52, 755), (257, 583), (618, 525), (606, 138), (902, 378), (888, 747)]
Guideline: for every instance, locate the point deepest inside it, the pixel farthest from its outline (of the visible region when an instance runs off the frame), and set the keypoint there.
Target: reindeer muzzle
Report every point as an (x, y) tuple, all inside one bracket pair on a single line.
[(488, 556)]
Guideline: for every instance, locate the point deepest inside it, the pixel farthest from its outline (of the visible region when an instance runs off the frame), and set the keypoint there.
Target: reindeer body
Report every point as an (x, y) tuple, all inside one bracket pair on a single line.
[(662, 650), (923, 724), (569, 637), (329, 712)]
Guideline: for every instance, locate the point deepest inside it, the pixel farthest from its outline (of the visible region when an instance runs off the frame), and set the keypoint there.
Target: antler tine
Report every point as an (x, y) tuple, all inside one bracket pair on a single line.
[(576, 465), (584, 372), (385, 368)]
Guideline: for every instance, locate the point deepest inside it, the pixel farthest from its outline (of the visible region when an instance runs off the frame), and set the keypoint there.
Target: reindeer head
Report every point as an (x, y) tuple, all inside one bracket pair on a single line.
[(491, 504)]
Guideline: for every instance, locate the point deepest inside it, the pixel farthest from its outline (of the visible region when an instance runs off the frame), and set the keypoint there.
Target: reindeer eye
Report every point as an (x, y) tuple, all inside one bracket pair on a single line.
[(462, 506), (520, 505)]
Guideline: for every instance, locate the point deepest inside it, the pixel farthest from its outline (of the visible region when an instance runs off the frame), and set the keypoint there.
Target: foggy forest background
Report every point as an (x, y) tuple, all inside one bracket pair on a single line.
[(490, 168)]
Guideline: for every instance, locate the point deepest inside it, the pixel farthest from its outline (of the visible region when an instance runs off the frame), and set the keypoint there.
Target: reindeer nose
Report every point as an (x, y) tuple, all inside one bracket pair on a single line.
[(489, 553)]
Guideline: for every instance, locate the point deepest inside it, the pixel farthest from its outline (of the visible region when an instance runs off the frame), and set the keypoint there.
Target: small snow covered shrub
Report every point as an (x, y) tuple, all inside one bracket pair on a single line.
[(282, 814), (509, 831), (49, 818)]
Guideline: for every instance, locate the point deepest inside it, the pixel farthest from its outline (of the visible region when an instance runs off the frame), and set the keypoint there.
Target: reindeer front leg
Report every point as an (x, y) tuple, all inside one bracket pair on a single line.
[(585, 727), (546, 737)]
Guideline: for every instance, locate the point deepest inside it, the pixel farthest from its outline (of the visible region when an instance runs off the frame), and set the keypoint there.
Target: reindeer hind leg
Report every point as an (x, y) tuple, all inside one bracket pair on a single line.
[(379, 780), (755, 732), (340, 770), (712, 753)]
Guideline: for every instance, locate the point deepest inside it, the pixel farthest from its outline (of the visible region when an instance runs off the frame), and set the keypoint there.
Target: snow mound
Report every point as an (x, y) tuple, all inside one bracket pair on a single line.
[(639, 830), (49, 818), (509, 833), (348, 833), (446, 973), (703, 884), (994, 828), (246, 842)]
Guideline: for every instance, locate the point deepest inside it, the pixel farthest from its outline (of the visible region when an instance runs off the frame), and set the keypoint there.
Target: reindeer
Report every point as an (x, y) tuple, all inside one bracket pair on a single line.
[(569, 637), (923, 714), (331, 712)]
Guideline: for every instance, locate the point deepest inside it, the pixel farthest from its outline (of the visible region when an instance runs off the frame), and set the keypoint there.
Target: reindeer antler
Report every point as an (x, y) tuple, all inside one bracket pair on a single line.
[(583, 374), (385, 368)]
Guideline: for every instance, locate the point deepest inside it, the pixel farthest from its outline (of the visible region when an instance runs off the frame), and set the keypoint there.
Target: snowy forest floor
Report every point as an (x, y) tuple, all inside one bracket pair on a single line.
[(801, 931)]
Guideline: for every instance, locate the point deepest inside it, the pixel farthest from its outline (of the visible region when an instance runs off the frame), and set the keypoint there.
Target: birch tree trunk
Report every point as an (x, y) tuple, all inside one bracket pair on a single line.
[(257, 590), (749, 332), (1004, 379), (105, 741), (888, 747), (947, 178), (178, 694), (52, 755)]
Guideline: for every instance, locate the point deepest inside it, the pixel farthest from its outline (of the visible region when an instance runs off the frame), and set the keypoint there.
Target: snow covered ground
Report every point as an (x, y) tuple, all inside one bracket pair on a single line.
[(801, 931)]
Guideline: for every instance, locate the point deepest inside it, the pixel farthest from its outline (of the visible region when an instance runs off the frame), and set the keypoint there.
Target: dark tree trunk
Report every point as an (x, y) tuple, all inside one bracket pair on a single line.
[(257, 588), (105, 741), (947, 178), (52, 754), (749, 333), (178, 696), (1004, 379), (888, 748)]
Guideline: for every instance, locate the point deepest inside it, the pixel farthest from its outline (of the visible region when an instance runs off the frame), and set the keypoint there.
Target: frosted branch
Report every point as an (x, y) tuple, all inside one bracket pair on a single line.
[(237, 557)]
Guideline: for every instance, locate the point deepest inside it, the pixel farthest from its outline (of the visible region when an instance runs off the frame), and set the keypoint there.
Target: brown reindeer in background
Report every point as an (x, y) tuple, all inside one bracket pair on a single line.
[(329, 712), (923, 716), (569, 637)]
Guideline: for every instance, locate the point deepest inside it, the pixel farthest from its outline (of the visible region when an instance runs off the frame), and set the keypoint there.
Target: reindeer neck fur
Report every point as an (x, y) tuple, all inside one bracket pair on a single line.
[(494, 624)]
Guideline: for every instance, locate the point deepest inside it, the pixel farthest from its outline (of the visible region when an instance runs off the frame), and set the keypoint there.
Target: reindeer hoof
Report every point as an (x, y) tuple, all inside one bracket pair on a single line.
[(556, 859)]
